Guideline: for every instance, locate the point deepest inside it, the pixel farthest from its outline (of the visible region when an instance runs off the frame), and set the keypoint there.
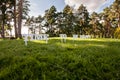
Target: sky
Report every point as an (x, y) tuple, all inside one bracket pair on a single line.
[(38, 7)]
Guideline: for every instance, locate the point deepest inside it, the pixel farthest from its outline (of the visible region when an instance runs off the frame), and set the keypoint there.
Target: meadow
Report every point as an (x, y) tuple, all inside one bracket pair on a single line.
[(82, 59)]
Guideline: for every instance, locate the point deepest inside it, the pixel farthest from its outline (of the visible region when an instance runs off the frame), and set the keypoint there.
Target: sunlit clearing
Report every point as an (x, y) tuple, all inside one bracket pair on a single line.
[(55, 38), (1, 39), (104, 40), (40, 41)]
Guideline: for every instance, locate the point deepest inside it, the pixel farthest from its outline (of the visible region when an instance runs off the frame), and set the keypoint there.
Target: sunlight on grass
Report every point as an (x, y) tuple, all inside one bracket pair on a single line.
[(40, 41), (1, 40), (91, 39), (105, 40), (68, 45), (54, 38)]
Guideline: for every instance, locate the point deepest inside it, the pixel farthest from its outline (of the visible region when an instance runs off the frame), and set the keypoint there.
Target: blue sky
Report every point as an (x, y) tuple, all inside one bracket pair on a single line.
[(38, 7)]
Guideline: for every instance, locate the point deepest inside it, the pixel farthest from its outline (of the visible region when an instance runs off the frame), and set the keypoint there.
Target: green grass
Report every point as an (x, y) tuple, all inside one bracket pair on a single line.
[(89, 59)]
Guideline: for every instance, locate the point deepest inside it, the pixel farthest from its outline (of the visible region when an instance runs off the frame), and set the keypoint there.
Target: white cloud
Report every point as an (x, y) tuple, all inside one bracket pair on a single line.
[(91, 5)]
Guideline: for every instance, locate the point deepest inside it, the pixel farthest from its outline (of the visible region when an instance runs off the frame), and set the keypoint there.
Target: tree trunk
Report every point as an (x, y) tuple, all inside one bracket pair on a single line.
[(3, 24), (119, 20), (39, 30), (51, 30), (20, 18), (16, 32)]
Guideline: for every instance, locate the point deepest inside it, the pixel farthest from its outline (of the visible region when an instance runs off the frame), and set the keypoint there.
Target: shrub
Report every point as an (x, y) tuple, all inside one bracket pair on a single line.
[(117, 33)]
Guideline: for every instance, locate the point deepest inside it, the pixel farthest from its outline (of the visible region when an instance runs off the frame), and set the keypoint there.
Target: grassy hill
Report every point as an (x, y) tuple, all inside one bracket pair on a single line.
[(90, 59)]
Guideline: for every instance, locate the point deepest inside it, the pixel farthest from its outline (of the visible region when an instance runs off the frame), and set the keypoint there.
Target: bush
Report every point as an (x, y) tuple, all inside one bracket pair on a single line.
[(117, 33)]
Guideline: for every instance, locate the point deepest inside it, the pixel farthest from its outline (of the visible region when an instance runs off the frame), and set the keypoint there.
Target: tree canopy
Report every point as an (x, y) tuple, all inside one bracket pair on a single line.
[(69, 21)]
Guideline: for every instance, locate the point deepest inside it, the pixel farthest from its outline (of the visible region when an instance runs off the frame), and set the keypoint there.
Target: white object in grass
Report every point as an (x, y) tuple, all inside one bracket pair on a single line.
[(63, 37), (31, 37), (75, 36)]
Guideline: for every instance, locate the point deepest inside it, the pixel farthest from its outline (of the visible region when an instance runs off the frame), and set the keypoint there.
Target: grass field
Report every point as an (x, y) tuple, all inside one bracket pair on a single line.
[(83, 59)]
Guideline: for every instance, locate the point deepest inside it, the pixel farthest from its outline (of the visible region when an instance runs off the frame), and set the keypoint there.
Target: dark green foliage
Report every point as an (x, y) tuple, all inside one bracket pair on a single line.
[(97, 59), (50, 18), (68, 21)]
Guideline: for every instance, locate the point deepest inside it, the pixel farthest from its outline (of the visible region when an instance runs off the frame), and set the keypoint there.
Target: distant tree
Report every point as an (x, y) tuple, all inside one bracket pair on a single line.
[(60, 24), (50, 18), (82, 19), (38, 22), (115, 9), (107, 21), (68, 20), (34, 24), (95, 24), (30, 22), (111, 18)]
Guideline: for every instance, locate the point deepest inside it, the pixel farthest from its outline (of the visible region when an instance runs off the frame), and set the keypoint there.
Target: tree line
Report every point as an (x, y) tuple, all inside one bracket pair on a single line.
[(69, 21), (12, 10)]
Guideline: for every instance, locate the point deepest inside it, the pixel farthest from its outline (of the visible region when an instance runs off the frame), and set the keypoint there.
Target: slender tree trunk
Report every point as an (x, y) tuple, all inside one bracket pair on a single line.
[(108, 28), (51, 30), (20, 18), (3, 24), (119, 20), (39, 30), (16, 32)]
